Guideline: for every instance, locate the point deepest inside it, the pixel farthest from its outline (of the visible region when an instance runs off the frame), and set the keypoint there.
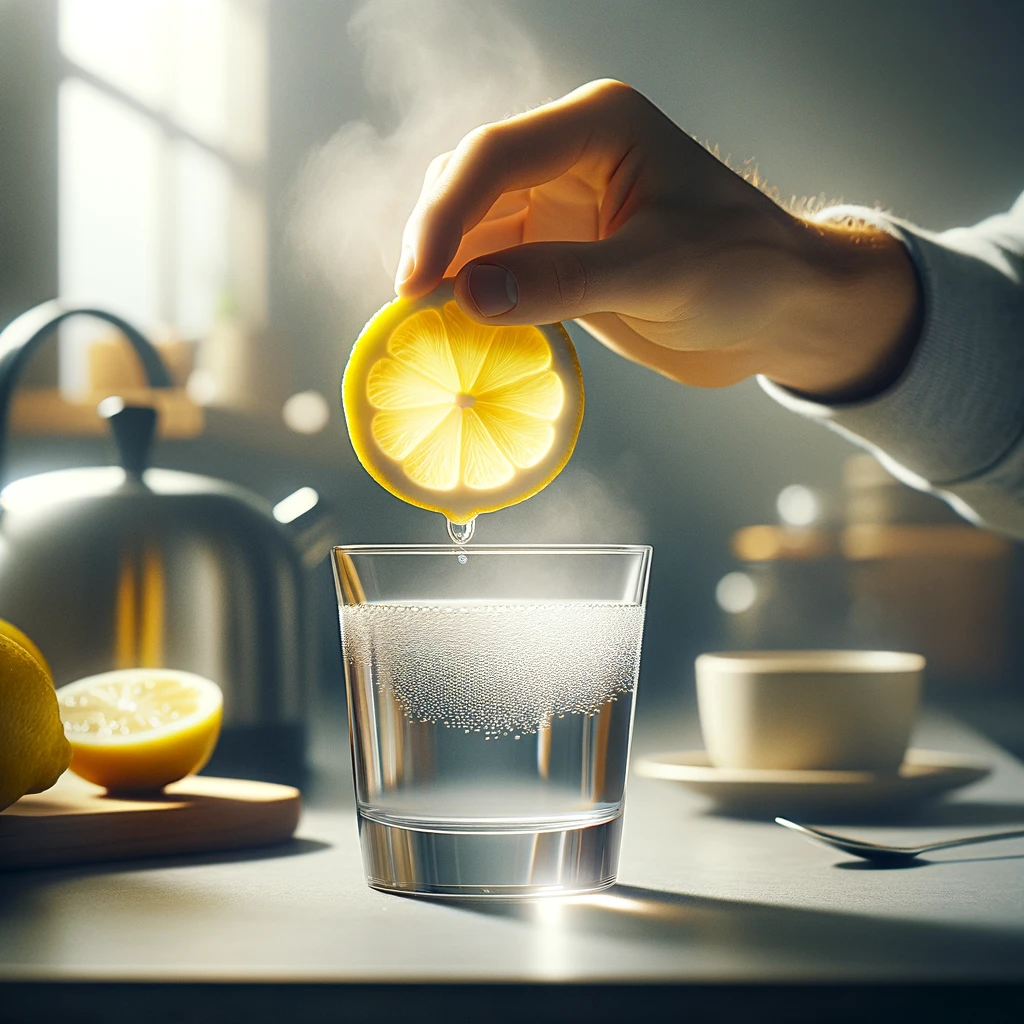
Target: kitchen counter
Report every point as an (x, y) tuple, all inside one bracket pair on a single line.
[(713, 914)]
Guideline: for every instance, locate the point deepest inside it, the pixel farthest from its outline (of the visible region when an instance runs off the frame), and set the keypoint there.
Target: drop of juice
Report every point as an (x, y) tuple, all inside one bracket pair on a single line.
[(461, 533)]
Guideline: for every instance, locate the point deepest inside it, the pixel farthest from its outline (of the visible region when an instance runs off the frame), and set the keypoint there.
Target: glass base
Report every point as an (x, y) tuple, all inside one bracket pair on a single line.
[(490, 865)]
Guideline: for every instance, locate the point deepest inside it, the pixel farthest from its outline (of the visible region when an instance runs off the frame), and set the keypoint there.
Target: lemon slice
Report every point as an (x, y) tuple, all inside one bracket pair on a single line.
[(456, 416), (140, 728)]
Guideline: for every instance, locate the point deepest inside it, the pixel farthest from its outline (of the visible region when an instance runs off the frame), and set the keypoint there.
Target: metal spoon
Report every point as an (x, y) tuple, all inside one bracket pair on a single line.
[(881, 854)]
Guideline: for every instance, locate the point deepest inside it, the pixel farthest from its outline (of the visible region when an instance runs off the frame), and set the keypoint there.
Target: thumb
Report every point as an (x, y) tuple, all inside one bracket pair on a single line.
[(541, 282)]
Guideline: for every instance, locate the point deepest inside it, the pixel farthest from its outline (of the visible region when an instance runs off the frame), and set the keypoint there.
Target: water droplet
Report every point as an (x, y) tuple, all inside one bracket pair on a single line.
[(461, 533)]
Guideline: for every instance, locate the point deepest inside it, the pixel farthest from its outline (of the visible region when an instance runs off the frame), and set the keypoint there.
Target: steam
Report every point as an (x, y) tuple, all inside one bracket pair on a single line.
[(576, 507), (440, 67)]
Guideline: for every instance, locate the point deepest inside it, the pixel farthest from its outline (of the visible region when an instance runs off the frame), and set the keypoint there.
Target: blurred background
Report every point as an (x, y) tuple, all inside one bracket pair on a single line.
[(233, 175)]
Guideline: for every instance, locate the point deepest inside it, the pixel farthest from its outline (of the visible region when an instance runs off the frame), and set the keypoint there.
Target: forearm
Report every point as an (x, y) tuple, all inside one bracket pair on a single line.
[(851, 317)]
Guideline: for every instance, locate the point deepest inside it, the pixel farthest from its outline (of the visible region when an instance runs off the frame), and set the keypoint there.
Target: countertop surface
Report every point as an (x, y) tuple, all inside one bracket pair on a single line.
[(701, 898)]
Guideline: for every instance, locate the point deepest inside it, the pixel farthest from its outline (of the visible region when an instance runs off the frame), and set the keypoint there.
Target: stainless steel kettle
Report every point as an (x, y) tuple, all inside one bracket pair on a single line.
[(121, 566)]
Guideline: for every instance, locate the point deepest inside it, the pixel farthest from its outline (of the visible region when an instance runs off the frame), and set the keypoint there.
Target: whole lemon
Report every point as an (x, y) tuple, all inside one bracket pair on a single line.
[(33, 750), (9, 629)]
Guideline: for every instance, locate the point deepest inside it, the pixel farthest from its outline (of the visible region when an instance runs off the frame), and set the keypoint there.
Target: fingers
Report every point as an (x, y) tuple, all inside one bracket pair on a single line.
[(487, 237), (435, 169), (542, 282), (697, 369), (407, 260), (615, 294), (519, 153), (631, 272), (502, 227)]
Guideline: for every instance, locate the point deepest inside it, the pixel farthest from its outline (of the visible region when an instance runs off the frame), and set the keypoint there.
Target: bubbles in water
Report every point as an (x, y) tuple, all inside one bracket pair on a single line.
[(499, 669), (461, 533)]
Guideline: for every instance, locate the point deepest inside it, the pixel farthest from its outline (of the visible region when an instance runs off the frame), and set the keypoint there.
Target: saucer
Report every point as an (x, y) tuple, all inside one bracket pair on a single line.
[(923, 774)]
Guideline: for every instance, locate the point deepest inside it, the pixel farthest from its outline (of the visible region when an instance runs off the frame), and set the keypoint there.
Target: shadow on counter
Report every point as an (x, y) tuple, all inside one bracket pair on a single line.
[(965, 813), (826, 944)]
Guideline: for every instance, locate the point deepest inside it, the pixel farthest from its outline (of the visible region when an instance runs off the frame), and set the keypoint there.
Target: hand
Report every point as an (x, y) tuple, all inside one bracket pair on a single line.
[(598, 208)]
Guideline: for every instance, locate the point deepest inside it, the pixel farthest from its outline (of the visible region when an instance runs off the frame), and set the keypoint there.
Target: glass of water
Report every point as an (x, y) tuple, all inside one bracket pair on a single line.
[(490, 700)]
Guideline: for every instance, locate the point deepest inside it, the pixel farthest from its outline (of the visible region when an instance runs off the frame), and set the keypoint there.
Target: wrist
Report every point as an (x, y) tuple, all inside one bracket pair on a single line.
[(850, 316)]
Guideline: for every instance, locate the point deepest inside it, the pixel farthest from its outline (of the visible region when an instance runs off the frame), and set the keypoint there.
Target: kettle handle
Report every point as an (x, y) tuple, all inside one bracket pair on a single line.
[(23, 335)]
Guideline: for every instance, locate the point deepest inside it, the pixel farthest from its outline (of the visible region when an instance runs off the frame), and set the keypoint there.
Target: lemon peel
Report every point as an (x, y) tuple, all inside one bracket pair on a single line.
[(33, 750), (9, 629)]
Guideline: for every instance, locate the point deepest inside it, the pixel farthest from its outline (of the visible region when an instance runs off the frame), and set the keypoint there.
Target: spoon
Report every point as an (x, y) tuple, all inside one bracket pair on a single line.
[(881, 854)]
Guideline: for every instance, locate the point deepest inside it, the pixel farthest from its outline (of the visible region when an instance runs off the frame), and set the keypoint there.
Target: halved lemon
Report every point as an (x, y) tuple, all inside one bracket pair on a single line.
[(140, 728), (456, 416)]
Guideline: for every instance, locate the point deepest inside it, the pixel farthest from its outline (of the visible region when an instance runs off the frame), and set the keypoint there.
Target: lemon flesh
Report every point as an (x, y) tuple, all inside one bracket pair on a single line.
[(142, 728), (33, 750), (456, 416)]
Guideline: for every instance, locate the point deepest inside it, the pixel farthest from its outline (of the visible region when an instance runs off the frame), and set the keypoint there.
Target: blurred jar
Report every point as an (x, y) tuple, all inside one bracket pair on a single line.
[(922, 579), (902, 571), (872, 495), (791, 591)]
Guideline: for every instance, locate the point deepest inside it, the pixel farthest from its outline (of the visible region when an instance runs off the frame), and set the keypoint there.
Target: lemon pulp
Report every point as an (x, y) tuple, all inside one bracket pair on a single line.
[(456, 416), (139, 729)]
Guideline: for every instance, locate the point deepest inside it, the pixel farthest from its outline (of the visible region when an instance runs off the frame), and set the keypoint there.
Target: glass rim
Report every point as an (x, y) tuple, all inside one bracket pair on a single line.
[(493, 549)]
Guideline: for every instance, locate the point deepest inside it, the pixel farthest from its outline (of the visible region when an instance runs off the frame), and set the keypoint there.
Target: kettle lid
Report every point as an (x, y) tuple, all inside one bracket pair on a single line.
[(32, 494), (133, 428)]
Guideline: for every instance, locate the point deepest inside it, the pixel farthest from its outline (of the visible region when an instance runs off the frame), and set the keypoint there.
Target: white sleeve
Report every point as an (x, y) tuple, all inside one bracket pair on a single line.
[(953, 422)]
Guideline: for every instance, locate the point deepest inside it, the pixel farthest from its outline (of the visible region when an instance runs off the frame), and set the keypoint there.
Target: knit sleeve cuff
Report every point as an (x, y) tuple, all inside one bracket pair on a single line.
[(958, 407)]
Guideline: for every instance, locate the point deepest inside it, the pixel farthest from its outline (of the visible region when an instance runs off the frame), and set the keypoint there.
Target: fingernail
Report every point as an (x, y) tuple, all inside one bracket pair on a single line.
[(406, 265), (492, 289)]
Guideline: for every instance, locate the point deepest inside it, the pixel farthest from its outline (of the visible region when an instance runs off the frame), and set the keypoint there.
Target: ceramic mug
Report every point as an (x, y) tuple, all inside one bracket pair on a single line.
[(826, 710)]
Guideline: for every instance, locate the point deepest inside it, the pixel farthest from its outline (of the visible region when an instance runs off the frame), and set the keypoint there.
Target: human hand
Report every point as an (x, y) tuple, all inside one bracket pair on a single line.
[(598, 208)]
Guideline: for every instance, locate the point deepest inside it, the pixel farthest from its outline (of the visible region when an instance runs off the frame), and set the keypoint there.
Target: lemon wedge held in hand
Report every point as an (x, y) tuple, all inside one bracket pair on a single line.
[(457, 416), (139, 729)]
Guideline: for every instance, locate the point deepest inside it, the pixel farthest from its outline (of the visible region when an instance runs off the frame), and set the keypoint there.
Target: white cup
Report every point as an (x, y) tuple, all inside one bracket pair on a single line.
[(840, 710)]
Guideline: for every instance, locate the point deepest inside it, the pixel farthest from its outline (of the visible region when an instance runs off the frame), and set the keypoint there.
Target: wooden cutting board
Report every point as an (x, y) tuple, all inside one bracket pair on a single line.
[(75, 822)]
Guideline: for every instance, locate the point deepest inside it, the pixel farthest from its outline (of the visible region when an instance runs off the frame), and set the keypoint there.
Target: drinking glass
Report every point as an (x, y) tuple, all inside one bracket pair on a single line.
[(490, 700)]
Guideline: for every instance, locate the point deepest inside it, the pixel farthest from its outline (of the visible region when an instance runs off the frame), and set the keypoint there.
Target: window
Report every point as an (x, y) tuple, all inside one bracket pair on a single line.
[(161, 165)]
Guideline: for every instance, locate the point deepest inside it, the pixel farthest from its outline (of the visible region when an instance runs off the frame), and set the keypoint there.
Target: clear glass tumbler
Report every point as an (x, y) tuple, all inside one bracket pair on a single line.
[(490, 699)]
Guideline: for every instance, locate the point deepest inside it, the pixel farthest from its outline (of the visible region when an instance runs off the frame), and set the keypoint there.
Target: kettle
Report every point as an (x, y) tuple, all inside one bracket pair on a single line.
[(127, 565)]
